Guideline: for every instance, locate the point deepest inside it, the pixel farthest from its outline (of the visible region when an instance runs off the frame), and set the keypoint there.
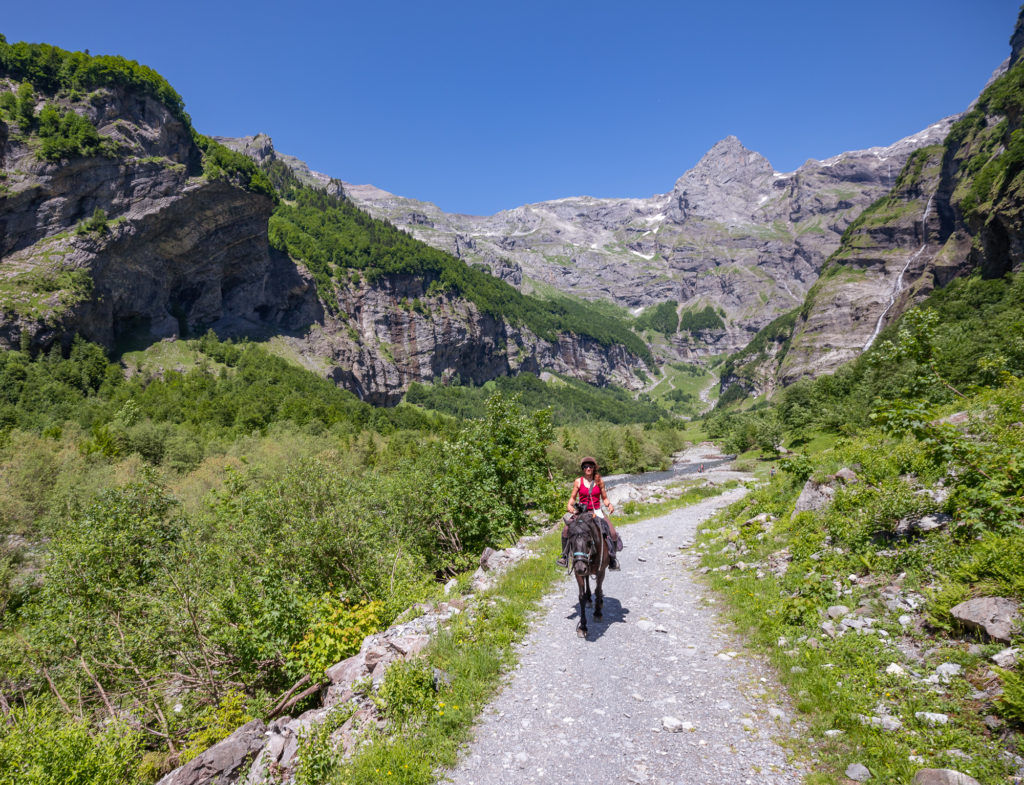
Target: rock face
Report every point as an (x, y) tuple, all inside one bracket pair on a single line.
[(182, 253), (732, 232), (377, 346), (224, 762)]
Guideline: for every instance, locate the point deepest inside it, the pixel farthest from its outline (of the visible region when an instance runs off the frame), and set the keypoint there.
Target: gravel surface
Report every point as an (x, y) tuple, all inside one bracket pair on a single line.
[(660, 692)]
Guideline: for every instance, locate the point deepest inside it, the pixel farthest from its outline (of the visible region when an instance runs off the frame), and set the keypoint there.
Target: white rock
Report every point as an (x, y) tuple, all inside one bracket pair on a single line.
[(1007, 658), (931, 718), (834, 733), (646, 625), (858, 772), (895, 669), (946, 671), (671, 724)]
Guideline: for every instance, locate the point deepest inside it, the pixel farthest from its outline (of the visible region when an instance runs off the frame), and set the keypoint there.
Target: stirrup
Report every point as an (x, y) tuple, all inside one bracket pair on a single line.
[(563, 561)]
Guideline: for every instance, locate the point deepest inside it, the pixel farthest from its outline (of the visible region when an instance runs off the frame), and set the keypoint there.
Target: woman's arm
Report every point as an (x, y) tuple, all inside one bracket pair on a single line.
[(604, 498)]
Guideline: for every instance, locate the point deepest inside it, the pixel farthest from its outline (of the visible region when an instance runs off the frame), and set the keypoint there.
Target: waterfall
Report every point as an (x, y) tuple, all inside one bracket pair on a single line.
[(898, 287)]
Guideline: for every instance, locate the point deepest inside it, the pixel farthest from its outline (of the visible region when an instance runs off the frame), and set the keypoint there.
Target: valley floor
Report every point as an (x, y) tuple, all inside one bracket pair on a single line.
[(601, 709)]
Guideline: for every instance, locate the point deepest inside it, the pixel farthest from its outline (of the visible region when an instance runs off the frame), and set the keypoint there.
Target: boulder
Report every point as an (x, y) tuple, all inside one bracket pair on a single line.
[(1006, 658), (993, 615), (348, 671), (942, 777), (858, 772), (846, 475), (225, 761), (626, 492), (814, 496), (919, 524)]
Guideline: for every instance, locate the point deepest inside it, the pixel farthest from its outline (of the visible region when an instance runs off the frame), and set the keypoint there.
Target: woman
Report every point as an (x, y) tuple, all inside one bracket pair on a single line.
[(588, 491)]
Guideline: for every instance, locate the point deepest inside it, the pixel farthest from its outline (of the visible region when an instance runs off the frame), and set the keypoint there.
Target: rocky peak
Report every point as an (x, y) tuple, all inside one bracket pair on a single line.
[(260, 148), (725, 185), (1017, 39)]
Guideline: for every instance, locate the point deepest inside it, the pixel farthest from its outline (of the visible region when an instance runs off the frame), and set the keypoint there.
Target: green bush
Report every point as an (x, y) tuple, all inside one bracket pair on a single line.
[(39, 746), (663, 318), (67, 135), (407, 692)]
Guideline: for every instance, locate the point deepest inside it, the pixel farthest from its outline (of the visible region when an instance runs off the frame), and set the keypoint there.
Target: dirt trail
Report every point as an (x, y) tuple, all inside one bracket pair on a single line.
[(598, 710)]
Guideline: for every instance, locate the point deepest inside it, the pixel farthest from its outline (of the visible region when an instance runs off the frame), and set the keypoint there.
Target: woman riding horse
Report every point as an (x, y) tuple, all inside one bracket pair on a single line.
[(588, 493), (589, 552)]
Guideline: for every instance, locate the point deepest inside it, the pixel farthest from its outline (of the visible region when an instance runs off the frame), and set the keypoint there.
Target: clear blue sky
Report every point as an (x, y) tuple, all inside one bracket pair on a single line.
[(482, 106)]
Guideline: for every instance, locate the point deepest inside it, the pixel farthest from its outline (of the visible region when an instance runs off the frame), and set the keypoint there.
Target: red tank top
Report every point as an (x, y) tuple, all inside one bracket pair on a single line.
[(590, 497)]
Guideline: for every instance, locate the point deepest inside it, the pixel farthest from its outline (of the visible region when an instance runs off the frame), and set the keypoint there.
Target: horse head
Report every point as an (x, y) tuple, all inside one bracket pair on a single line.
[(584, 543)]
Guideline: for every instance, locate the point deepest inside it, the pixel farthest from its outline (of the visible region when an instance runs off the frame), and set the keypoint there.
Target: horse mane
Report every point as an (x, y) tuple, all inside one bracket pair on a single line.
[(582, 524)]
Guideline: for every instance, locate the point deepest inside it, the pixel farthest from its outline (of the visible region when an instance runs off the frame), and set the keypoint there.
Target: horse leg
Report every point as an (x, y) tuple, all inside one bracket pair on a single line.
[(599, 603), (588, 595), (581, 628)]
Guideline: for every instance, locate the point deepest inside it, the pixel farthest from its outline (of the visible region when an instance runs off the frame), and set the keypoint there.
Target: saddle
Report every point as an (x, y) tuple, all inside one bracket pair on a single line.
[(614, 546)]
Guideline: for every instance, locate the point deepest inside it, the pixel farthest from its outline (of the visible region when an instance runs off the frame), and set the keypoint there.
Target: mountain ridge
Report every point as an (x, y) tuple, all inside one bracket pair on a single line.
[(732, 233)]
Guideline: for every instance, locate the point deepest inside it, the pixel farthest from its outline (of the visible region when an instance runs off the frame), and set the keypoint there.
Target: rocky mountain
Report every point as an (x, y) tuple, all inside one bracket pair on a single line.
[(732, 233), (956, 209), (119, 223)]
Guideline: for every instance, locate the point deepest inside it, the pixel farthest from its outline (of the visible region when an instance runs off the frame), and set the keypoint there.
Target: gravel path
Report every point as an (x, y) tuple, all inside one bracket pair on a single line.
[(595, 710)]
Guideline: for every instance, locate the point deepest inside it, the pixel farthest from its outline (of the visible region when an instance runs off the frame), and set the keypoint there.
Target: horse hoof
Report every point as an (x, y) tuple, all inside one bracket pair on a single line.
[(581, 633)]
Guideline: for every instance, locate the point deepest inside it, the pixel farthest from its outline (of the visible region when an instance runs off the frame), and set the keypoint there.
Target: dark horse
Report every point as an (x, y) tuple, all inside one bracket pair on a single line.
[(589, 556)]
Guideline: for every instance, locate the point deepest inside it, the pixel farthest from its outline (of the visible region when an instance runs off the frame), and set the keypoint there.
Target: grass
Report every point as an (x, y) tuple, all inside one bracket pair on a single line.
[(834, 681), (168, 356)]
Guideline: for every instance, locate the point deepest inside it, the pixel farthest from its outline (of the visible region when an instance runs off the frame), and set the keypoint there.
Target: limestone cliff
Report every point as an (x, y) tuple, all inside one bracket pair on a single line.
[(378, 343), (173, 252)]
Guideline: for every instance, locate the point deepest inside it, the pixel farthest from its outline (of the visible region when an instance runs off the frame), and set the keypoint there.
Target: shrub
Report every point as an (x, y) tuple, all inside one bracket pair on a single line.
[(39, 746), (216, 723), (335, 633), (407, 692)]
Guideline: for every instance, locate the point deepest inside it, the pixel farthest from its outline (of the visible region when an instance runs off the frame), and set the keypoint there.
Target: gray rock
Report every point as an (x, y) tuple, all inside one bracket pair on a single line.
[(994, 615), (847, 476), (858, 772), (837, 611), (922, 524), (1006, 658), (942, 777), (814, 496), (947, 670), (225, 761), (932, 718)]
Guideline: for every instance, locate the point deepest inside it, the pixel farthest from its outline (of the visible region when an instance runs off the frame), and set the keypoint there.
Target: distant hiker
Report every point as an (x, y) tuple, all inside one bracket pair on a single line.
[(701, 469), (771, 473), (587, 494)]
